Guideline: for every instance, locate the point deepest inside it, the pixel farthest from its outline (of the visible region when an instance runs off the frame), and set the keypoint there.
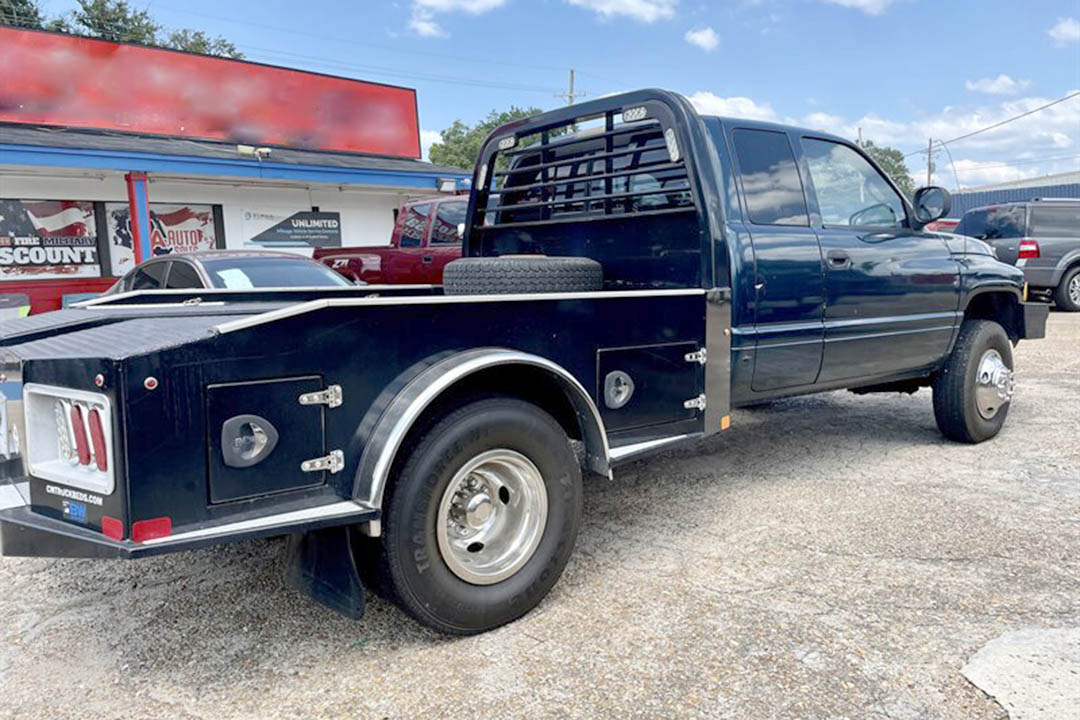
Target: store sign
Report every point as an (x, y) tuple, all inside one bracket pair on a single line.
[(61, 80), (42, 239), (173, 228), (304, 229)]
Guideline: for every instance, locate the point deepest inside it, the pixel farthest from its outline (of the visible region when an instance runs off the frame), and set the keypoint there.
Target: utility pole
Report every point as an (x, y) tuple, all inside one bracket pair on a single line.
[(860, 138), (929, 160), (570, 95)]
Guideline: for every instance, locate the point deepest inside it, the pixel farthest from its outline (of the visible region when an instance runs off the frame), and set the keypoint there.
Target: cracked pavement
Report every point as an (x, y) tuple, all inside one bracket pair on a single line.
[(829, 556)]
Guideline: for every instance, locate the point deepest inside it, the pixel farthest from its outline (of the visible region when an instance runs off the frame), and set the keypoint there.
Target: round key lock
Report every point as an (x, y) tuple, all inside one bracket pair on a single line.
[(618, 389)]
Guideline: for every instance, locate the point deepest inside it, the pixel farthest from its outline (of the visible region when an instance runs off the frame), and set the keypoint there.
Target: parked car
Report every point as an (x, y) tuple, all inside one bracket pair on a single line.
[(425, 238), (633, 286), (944, 225), (1042, 237), (227, 269)]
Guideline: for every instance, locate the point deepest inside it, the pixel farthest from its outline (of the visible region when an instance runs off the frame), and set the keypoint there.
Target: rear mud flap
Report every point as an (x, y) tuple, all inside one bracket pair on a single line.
[(321, 565)]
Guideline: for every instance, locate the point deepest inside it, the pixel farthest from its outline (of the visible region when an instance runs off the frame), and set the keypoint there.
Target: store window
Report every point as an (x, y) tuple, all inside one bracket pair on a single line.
[(173, 228), (47, 239)]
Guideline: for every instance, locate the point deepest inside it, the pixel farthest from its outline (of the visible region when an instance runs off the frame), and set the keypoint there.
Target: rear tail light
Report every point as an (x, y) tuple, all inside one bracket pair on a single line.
[(69, 437), (97, 437), (1029, 249), (78, 431)]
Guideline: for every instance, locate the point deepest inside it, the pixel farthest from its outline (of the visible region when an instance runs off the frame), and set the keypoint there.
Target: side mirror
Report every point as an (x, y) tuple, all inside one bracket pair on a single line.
[(931, 203)]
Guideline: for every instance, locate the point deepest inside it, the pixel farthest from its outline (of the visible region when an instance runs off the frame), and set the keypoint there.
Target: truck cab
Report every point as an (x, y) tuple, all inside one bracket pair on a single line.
[(426, 236)]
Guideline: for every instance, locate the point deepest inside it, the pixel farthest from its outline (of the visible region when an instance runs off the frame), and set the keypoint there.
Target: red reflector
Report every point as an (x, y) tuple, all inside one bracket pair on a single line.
[(82, 446), (1029, 249), (144, 530), (97, 437), (112, 528)]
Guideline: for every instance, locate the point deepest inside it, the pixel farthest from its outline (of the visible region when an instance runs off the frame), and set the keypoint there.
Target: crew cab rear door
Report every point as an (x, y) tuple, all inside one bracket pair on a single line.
[(891, 291), (788, 279)]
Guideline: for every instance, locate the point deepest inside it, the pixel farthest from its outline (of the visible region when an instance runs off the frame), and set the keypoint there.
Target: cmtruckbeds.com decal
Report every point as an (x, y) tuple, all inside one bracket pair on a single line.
[(74, 495)]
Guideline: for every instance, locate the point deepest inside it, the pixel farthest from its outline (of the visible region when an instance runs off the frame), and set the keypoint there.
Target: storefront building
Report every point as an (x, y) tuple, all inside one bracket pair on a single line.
[(92, 182)]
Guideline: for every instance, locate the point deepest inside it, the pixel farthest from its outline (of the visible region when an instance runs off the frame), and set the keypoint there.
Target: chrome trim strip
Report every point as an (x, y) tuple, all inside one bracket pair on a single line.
[(153, 306), (11, 497), (236, 291), (338, 509), (625, 451), (323, 303), (430, 384)]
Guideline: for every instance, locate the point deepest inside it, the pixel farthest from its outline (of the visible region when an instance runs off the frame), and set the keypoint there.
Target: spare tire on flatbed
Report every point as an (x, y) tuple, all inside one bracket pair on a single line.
[(521, 274)]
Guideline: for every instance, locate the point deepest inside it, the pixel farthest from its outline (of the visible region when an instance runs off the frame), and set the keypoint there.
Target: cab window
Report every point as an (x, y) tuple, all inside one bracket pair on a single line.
[(850, 191), (183, 276), (770, 180), (445, 229), (149, 276), (414, 225)]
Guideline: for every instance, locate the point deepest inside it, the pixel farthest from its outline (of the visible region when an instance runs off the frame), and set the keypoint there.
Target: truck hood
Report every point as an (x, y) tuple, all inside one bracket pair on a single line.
[(964, 245)]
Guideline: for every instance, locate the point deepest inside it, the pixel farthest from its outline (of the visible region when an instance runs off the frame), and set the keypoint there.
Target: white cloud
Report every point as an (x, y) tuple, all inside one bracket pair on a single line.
[(646, 11), (1042, 143), (705, 38), (1001, 85), (742, 107), (422, 18), (1065, 32), (870, 7), (427, 139)]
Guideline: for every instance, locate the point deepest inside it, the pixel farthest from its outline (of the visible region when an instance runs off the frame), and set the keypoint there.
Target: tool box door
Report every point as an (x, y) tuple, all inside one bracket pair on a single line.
[(294, 430), (662, 380)]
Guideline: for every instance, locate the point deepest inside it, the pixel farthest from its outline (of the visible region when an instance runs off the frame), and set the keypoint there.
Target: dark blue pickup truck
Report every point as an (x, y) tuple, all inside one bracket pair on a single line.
[(632, 273)]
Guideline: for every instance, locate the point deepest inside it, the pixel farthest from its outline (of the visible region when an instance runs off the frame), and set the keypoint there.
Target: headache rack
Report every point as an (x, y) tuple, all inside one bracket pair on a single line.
[(625, 168), (613, 179)]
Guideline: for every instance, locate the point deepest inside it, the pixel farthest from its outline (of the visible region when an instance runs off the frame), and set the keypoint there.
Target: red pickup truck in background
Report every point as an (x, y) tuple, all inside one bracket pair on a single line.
[(426, 236)]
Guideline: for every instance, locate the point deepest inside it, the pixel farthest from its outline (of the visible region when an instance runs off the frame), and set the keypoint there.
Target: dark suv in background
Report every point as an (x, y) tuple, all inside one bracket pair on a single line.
[(1040, 236)]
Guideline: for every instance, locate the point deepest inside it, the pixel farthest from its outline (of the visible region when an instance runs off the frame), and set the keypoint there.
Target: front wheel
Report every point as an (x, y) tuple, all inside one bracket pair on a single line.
[(974, 389), (482, 518)]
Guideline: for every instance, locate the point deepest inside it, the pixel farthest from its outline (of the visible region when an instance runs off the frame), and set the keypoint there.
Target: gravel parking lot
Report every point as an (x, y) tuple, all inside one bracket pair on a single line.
[(829, 556)]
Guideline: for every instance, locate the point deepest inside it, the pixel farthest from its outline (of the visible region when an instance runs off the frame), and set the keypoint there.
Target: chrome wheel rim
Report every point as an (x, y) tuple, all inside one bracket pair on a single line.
[(994, 384), (1074, 289), (492, 516)]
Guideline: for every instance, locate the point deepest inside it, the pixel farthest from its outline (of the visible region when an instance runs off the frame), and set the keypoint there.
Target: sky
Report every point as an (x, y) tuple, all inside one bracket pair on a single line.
[(902, 70)]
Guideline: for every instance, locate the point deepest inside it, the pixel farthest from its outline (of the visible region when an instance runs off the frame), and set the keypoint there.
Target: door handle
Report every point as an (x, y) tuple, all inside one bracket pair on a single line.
[(427, 258), (839, 260)]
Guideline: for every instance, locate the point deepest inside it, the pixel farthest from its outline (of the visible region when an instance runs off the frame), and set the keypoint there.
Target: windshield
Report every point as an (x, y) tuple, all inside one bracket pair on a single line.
[(265, 272)]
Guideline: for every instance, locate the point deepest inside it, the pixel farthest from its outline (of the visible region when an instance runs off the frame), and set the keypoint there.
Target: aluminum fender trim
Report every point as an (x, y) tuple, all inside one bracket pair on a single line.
[(407, 406), (226, 292)]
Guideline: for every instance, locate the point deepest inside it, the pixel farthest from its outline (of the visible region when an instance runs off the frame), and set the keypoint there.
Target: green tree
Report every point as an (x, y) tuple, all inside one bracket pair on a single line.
[(892, 162), (21, 13), (114, 20), (459, 144), (196, 41)]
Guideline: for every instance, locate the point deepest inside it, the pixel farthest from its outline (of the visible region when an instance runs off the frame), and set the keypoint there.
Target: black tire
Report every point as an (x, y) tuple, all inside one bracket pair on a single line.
[(1062, 298), (408, 564), (521, 274), (955, 406)]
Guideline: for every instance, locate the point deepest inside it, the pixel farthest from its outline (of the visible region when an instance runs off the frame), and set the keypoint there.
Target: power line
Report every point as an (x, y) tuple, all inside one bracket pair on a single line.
[(999, 124), (391, 72), (350, 41)]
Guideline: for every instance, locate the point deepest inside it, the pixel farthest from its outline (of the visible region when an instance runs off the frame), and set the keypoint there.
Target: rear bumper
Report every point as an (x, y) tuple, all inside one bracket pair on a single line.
[(25, 533), (1034, 318), (1041, 277)]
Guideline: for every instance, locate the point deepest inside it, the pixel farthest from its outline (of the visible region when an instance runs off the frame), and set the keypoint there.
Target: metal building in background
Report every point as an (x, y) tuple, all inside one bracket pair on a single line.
[(1061, 185)]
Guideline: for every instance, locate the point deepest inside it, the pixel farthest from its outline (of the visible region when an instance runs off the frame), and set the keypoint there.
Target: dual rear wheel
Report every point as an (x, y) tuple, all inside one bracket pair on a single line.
[(481, 519)]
